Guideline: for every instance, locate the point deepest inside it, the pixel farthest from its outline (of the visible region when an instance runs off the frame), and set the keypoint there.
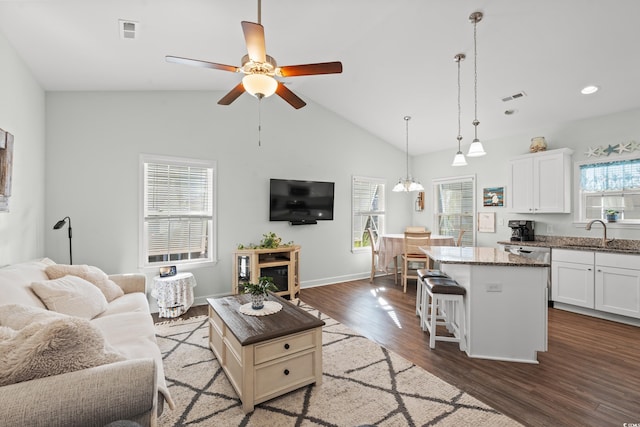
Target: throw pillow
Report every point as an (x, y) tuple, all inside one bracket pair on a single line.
[(91, 274), (44, 349), (17, 316), (71, 295)]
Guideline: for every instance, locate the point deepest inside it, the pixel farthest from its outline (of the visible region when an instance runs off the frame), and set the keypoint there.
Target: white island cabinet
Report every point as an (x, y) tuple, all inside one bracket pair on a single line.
[(505, 303)]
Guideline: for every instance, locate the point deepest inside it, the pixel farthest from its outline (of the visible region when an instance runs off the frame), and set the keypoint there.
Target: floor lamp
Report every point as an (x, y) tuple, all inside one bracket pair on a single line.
[(61, 224)]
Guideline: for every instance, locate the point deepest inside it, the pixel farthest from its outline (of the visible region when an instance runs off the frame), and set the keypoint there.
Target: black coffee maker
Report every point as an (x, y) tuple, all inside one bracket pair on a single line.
[(521, 230)]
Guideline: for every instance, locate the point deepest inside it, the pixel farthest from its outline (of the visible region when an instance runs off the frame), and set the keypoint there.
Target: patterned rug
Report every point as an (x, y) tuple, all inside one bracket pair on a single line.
[(363, 384)]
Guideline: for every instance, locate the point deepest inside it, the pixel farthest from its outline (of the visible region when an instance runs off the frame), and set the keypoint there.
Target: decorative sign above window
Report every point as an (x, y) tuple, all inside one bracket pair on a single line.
[(623, 147), (6, 162)]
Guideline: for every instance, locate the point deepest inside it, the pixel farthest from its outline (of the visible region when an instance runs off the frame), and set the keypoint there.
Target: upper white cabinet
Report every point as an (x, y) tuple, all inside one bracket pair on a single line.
[(541, 182)]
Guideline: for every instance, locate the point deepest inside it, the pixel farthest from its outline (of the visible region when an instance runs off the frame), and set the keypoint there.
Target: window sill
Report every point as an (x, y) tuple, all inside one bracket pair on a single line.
[(612, 225), (184, 266)]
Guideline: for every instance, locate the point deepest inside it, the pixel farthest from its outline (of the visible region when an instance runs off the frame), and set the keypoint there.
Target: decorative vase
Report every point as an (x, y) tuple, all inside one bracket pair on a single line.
[(257, 301), (538, 143)]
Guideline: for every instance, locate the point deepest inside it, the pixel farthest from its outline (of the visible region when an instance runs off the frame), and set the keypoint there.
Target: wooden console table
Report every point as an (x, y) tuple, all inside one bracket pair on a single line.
[(282, 264), (265, 356)]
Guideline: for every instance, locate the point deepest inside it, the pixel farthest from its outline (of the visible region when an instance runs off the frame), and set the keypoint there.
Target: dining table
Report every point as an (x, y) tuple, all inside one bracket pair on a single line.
[(391, 246)]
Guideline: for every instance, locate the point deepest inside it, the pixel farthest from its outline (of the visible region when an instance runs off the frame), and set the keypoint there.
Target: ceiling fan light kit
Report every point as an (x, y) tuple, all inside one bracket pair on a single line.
[(261, 69)]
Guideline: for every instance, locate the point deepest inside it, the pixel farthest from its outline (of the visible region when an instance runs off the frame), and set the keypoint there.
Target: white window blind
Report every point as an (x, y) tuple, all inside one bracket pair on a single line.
[(178, 211), (368, 210), (613, 185), (455, 208)]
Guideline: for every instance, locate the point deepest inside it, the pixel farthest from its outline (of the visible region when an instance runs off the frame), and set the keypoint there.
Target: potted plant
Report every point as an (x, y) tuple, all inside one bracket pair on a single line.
[(259, 291), (612, 215)]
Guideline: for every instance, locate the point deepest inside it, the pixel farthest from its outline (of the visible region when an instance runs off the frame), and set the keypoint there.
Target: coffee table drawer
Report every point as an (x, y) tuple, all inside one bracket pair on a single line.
[(277, 378), (284, 346)]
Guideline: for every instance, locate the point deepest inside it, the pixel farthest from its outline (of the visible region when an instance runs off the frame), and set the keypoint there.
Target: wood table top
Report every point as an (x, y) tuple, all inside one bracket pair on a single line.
[(254, 329)]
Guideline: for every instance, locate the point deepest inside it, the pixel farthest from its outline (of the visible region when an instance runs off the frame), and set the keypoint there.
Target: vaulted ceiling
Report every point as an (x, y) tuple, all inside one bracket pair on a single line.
[(398, 56)]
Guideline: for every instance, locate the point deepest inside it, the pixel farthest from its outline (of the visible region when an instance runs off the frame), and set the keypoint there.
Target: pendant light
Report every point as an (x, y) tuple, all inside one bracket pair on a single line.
[(407, 184), (459, 159), (476, 149)]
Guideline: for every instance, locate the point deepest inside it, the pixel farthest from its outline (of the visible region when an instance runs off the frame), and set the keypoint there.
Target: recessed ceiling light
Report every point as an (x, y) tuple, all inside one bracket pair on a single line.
[(588, 90)]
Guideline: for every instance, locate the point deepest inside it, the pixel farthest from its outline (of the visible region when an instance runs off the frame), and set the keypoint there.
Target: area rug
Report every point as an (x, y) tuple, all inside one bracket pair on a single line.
[(363, 384)]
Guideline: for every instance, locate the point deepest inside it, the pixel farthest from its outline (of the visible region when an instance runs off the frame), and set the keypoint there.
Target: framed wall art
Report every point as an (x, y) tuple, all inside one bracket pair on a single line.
[(486, 222), (493, 196), (6, 164)]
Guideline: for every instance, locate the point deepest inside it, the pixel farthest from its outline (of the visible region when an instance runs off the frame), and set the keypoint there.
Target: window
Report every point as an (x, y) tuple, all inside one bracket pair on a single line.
[(610, 186), (455, 207), (367, 199), (177, 211)]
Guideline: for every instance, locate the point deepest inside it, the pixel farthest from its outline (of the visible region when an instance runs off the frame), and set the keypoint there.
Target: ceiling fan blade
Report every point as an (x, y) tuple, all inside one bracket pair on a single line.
[(254, 38), (311, 69), (232, 95), (289, 96), (204, 64)]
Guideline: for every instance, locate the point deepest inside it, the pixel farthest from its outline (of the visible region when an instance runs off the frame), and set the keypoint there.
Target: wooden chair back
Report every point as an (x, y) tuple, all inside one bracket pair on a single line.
[(415, 229), (372, 240), (413, 241), (459, 241)]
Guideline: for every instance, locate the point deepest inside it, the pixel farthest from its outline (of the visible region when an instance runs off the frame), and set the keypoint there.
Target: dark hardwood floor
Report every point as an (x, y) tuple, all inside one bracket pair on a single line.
[(590, 375)]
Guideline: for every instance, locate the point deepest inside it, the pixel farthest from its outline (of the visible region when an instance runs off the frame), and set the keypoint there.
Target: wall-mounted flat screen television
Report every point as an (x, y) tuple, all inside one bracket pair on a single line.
[(300, 202)]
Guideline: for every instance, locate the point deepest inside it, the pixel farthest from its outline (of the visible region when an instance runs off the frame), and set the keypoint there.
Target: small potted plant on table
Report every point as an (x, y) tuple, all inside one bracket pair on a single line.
[(259, 291), (612, 215)]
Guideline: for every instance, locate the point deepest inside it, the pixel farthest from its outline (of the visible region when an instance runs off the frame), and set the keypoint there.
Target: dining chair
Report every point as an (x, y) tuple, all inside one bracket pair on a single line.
[(415, 229), (412, 253), (459, 241), (374, 253)]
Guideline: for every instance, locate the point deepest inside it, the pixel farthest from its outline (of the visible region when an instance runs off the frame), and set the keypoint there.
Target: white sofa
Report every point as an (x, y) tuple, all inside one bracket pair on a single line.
[(130, 389)]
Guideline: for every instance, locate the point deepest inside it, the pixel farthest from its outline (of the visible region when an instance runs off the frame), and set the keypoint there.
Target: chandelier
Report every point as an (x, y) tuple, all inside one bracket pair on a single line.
[(407, 184)]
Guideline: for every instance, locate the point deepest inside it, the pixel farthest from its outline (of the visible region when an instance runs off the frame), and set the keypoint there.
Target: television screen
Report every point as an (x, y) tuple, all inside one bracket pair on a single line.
[(300, 201)]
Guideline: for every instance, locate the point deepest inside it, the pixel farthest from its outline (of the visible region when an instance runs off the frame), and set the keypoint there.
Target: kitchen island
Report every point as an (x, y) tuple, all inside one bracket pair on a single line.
[(505, 303)]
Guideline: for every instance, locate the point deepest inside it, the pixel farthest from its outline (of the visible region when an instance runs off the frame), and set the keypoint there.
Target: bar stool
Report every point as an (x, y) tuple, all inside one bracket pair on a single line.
[(423, 274), (443, 304)]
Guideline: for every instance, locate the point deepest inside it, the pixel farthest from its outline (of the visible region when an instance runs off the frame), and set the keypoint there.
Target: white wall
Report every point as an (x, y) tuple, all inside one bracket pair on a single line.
[(94, 141), (491, 171), (22, 113)]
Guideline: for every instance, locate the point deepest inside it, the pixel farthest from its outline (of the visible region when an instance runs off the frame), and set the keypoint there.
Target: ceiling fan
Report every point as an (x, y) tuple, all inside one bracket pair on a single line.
[(260, 70)]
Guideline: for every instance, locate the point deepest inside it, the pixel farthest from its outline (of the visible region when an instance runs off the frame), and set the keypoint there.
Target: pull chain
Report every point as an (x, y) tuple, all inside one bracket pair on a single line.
[(259, 121)]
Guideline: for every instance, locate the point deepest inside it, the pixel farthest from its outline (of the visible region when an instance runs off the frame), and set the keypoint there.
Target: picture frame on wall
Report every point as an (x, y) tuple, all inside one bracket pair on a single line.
[(6, 166), (486, 222), (493, 196)]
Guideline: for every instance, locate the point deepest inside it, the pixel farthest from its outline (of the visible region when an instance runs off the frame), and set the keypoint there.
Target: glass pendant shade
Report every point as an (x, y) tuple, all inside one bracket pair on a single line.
[(459, 160), (260, 85), (476, 149)]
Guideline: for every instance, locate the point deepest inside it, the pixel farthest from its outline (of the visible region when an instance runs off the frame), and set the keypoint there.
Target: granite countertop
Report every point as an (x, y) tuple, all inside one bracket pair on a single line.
[(479, 256), (623, 246)]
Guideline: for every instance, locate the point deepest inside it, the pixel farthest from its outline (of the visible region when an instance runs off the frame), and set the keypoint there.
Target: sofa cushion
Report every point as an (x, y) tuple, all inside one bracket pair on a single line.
[(71, 295), (135, 302), (17, 316), (16, 279), (51, 348), (91, 274)]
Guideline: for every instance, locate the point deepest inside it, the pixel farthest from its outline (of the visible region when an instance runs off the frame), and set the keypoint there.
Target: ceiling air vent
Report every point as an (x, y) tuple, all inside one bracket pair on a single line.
[(128, 29), (514, 96)]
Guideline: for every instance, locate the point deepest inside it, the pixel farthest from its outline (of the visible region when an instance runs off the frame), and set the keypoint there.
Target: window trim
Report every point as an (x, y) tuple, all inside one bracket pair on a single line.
[(454, 179), (578, 220), (382, 213), (143, 263)]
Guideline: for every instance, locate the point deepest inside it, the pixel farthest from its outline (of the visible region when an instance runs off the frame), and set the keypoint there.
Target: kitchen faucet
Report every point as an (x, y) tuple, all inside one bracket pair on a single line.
[(604, 237)]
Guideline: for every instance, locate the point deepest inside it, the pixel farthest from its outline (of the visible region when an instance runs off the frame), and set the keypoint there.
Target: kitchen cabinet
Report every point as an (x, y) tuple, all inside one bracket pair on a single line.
[(602, 281), (541, 182), (617, 284), (572, 279)]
